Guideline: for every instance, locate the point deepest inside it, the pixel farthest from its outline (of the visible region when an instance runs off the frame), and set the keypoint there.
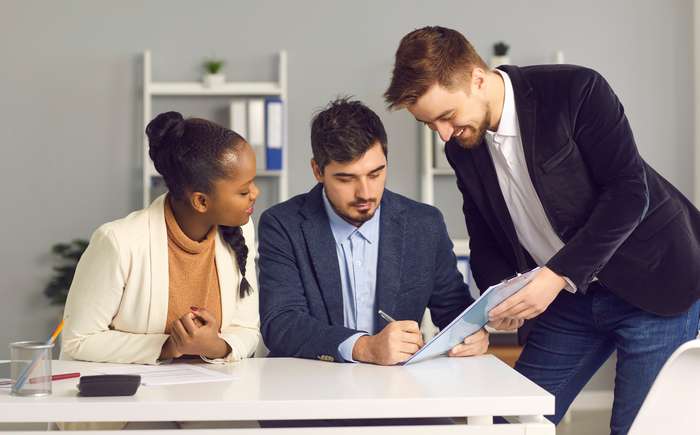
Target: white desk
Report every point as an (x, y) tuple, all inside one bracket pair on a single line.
[(295, 389)]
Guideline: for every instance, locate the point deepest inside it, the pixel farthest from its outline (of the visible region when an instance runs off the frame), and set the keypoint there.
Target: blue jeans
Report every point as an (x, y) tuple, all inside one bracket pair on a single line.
[(576, 335)]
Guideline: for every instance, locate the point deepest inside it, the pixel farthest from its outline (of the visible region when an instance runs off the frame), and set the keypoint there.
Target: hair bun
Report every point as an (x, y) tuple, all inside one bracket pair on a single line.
[(165, 130)]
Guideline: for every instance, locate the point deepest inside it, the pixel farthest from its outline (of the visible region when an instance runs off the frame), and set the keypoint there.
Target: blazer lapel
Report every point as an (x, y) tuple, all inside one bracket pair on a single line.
[(487, 172), (158, 245), (526, 109), (321, 247), (392, 228)]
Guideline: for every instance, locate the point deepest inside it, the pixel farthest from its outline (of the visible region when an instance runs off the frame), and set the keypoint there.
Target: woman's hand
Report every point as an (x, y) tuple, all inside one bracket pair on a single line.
[(169, 350), (192, 339)]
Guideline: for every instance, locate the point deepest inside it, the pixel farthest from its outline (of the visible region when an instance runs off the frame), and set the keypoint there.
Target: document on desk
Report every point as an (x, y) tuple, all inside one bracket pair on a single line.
[(472, 319), (167, 374)]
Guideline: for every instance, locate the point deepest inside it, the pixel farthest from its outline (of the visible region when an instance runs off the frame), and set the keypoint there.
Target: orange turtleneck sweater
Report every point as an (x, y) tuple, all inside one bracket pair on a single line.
[(191, 271)]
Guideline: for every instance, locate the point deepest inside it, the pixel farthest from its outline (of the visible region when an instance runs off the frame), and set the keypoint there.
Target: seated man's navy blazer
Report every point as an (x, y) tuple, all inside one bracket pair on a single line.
[(301, 302)]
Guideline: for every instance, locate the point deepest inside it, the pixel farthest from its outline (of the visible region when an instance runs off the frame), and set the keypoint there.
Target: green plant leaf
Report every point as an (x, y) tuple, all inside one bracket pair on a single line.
[(213, 66), (67, 256), (500, 48)]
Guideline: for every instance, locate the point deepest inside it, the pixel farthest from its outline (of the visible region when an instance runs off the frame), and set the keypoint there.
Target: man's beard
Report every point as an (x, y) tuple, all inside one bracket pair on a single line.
[(360, 217), (476, 139)]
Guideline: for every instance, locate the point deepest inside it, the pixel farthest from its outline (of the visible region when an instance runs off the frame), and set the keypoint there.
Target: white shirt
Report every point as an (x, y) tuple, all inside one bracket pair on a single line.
[(532, 226)]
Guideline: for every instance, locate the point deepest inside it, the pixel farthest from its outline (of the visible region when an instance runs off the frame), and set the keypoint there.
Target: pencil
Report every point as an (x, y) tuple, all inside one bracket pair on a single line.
[(56, 332), (22, 379)]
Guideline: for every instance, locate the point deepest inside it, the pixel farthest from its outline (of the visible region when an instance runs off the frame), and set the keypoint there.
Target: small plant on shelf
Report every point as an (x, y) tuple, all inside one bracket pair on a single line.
[(500, 49), (213, 66), (500, 54), (214, 75)]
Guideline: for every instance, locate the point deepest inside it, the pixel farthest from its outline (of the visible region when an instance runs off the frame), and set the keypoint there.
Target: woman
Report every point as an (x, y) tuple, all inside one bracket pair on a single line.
[(170, 280)]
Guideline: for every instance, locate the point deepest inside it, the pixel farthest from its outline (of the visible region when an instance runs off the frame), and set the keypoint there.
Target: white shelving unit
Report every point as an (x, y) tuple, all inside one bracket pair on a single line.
[(153, 89), (428, 174)]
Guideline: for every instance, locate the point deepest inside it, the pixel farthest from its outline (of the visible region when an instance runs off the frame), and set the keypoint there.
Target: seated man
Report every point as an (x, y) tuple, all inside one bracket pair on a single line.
[(332, 258)]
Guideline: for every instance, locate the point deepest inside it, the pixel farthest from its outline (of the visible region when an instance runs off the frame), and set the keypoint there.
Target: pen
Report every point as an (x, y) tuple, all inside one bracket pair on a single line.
[(41, 379), (386, 317), (54, 377)]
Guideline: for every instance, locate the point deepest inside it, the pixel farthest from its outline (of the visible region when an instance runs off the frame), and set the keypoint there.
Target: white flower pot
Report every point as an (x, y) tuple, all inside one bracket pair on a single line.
[(214, 80), (499, 60)]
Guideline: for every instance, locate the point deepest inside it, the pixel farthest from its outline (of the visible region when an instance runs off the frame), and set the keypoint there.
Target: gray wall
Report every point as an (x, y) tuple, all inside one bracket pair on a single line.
[(70, 107)]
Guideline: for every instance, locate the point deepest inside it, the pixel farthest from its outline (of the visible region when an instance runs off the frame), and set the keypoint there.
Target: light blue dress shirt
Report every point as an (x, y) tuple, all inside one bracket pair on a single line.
[(357, 250)]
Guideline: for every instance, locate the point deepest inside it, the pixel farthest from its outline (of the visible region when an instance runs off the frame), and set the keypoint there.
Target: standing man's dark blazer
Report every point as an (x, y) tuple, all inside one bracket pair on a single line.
[(301, 302), (621, 222)]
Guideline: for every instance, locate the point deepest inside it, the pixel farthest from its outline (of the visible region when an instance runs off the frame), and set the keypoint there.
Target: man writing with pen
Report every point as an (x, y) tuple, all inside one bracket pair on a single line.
[(332, 258)]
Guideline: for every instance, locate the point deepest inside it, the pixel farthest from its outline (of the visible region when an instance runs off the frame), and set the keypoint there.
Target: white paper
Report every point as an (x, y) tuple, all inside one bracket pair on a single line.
[(167, 374)]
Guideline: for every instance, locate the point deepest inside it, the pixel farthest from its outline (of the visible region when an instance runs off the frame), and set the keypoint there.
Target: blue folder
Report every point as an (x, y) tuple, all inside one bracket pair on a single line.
[(473, 318)]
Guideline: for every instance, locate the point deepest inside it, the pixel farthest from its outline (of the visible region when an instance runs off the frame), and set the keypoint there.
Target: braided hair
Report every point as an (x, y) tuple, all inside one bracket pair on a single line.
[(188, 154)]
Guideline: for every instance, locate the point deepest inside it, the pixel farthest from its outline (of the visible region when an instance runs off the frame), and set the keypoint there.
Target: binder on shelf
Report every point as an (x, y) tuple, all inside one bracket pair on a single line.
[(439, 158), (465, 269), (273, 133), (239, 117), (256, 130)]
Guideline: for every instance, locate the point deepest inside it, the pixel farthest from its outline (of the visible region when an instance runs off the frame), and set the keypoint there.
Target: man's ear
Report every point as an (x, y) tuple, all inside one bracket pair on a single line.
[(199, 202), (478, 78), (318, 172)]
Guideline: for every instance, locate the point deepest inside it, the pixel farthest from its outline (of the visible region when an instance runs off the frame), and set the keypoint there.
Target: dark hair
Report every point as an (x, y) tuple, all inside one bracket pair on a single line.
[(188, 153), (427, 56), (344, 130)]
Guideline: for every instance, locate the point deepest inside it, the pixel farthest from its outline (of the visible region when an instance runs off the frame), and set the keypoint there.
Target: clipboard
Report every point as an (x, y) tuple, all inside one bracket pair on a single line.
[(473, 318)]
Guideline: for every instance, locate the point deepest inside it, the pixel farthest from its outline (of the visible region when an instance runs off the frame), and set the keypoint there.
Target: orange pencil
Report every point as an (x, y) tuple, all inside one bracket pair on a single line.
[(56, 331), (25, 374)]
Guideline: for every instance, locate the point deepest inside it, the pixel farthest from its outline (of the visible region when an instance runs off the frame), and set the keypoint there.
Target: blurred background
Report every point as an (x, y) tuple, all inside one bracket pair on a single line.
[(72, 102)]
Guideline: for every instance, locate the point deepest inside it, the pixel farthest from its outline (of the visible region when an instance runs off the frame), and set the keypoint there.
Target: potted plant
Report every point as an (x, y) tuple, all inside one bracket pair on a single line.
[(68, 255), (213, 76), (500, 54)]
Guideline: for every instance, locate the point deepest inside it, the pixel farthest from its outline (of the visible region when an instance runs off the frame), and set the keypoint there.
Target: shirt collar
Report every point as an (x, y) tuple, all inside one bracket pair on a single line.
[(509, 119), (342, 229)]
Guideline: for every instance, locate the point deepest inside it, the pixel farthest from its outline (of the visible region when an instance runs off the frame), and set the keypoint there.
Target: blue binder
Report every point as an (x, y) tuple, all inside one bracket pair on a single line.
[(274, 133)]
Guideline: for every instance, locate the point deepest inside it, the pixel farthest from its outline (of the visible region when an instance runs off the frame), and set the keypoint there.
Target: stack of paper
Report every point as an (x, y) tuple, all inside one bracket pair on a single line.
[(170, 374)]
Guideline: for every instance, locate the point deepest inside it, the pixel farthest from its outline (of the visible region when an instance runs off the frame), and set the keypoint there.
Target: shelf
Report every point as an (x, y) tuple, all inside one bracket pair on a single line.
[(461, 247), (269, 173), (497, 332), (153, 89), (442, 172), (259, 173), (228, 89)]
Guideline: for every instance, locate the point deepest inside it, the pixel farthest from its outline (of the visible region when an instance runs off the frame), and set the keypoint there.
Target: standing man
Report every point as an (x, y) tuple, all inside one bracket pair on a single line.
[(550, 175), (331, 258)]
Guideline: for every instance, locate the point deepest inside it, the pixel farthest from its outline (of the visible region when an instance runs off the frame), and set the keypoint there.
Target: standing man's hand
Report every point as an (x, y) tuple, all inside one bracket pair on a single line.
[(475, 344), (394, 344), (506, 324), (532, 299)]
